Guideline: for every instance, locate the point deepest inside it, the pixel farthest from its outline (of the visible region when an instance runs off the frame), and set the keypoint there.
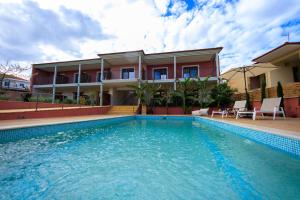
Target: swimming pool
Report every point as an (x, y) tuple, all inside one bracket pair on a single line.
[(147, 158)]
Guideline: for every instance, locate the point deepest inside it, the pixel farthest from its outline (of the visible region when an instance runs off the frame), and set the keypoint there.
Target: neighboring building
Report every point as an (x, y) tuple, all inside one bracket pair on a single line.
[(106, 79), (287, 58), (11, 82), (280, 64)]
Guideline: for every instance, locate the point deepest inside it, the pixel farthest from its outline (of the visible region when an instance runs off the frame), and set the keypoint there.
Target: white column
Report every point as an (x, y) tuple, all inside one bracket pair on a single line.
[(53, 84), (102, 69), (101, 80), (78, 83), (140, 67), (174, 62), (218, 67), (101, 94)]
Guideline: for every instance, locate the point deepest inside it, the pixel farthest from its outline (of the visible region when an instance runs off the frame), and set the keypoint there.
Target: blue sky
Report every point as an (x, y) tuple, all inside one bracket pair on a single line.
[(44, 30)]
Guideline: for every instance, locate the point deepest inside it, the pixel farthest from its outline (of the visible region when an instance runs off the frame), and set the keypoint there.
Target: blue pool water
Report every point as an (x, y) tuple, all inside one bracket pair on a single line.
[(144, 159)]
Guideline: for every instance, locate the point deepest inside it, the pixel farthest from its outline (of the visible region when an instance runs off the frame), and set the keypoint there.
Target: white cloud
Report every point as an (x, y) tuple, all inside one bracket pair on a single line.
[(244, 28)]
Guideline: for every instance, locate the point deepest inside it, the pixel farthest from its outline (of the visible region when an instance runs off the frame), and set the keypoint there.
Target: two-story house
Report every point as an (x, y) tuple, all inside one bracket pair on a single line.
[(11, 82), (106, 79)]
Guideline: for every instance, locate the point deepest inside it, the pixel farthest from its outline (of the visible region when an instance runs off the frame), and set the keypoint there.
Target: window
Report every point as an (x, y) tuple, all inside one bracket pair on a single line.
[(190, 72), (22, 85), (6, 83), (160, 74), (98, 77), (296, 74), (76, 78), (257, 81), (128, 73)]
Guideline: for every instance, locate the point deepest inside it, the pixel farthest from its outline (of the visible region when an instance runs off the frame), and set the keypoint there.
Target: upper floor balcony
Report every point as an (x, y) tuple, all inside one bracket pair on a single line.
[(129, 67)]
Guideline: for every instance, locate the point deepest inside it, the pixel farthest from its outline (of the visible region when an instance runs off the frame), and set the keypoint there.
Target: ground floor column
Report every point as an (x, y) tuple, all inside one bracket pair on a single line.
[(78, 83), (175, 68), (54, 84), (101, 95)]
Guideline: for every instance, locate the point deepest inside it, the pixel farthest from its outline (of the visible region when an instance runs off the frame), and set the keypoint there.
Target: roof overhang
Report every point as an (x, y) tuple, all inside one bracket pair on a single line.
[(278, 52), (196, 55), (132, 57)]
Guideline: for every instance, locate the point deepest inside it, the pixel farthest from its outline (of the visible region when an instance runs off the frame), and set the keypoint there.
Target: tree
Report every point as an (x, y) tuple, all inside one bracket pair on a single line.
[(184, 92), (167, 97), (145, 93), (203, 93), (150, 89), (263, 90), (139, 92), (222, 95), (280, 93), (11, 69)]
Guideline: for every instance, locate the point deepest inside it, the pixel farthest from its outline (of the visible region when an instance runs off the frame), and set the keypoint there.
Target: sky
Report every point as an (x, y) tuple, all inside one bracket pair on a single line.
[(46, 30)]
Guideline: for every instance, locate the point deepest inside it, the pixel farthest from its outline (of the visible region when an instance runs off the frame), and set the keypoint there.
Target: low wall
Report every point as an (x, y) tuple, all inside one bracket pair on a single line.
[(55, 113), (291, 93), (7, 105)]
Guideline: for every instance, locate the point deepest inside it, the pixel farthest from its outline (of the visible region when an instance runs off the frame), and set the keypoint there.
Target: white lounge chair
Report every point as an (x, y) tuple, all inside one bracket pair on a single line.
[(269, 106), (202, 111), (238, 106)]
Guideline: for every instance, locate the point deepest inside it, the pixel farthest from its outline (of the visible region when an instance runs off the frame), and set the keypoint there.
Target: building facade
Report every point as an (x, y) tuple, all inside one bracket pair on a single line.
[(11, 82), (105, 80), (279, 64)]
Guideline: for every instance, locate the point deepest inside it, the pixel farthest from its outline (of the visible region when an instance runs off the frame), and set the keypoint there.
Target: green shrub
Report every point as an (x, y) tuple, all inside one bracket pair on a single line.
[(4, 98), (280, 93), (222, 95), (26, 97)]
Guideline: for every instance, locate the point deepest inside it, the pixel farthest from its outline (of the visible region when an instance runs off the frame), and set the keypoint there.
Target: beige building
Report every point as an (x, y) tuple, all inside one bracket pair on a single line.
[(280, 64)]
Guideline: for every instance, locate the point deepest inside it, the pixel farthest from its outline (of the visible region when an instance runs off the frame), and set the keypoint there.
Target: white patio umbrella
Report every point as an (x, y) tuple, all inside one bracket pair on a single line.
[(252, 70)]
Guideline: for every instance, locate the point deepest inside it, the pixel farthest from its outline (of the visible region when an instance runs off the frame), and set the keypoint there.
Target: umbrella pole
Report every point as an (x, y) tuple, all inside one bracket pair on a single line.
[(244, 71)]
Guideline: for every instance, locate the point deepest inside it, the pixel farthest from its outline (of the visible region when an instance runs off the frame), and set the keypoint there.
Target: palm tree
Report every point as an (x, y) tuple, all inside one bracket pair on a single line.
[(203, 93), (167, 97), (139, 91), (184, 92)]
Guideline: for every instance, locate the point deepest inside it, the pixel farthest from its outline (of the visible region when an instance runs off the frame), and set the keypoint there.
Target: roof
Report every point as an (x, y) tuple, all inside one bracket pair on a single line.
[(278, 52), (129, 55), (13, 77)]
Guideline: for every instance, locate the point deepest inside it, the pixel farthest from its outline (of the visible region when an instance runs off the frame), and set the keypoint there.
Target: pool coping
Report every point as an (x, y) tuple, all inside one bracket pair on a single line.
[(275, 131), (102, 117), (280, 132)]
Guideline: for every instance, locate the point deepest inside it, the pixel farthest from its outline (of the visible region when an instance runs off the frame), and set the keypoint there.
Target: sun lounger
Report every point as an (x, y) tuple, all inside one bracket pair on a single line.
[(269, 106), (238, 106), (202, 111)]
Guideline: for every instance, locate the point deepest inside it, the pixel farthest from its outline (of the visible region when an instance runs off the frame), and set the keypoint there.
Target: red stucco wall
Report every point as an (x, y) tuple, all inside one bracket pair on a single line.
[(55, 113)]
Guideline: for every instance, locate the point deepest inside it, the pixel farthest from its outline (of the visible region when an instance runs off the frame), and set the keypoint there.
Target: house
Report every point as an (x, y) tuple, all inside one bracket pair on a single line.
[(11, 82), (279, 64), (105, 79), (287, 58)]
